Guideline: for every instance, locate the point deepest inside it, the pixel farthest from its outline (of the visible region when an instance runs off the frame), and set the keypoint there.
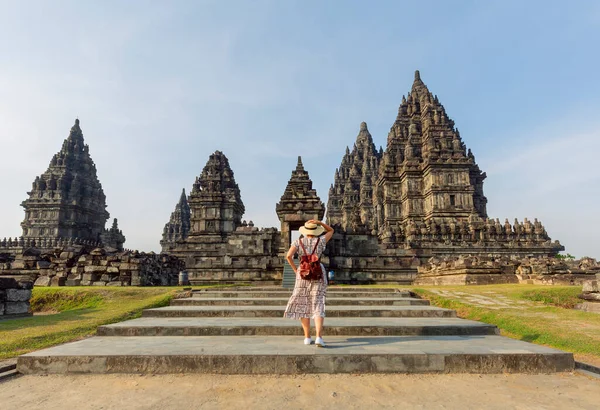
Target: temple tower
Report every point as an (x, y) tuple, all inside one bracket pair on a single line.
[(113, 237), (67, 201), (298, 204), (215, 202), (426, 171), (178, 227), (350, 204)]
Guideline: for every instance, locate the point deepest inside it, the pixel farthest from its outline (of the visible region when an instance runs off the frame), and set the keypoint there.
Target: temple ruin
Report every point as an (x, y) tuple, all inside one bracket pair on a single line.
[(416, 207), (422, 197), (206, 231)]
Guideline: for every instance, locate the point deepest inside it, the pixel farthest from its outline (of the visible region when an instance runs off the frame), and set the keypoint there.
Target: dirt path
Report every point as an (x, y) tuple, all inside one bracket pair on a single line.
[(459, 391)]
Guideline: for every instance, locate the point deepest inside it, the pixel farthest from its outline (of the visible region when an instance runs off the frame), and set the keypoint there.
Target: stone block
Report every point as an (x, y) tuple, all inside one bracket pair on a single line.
[(7, 283), (25, 284), (112, 269), (43, 264), (17, 265), (91, 277), (591, 286), (42, 281), (114, 284), (58, 281), (85, 282), (99, 283), (94, 268), (17, 295), (73, 282), (16, 308)]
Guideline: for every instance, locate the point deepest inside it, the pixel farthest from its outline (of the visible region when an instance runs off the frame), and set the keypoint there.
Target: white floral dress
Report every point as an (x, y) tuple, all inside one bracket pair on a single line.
[(308, 297)]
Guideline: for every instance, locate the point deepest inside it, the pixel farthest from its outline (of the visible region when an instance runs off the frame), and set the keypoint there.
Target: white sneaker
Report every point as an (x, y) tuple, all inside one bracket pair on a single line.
[(308, 341), (319, 342)]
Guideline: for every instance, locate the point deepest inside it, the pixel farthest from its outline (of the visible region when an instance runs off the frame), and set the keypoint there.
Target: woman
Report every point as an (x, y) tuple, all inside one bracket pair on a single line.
[(308, 298)]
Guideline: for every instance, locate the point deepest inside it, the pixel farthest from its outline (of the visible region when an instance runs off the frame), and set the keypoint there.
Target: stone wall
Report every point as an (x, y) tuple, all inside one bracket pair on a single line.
[(15, 293), (358, 258), (77, 266), (482, 270), (248, 254)]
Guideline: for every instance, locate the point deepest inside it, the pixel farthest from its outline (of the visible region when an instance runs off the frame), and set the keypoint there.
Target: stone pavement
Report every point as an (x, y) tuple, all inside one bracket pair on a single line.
[(492, 300), (237, 333)]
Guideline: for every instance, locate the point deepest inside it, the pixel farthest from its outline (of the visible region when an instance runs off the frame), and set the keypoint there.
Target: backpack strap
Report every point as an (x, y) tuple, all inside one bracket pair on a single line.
[(302, 246), (316, 244), (314, 249)]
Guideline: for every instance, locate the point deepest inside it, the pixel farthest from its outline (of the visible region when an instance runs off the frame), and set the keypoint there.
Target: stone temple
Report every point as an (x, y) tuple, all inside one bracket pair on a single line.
[(392, 210), (421, 197), (417, 207), (67, 202)]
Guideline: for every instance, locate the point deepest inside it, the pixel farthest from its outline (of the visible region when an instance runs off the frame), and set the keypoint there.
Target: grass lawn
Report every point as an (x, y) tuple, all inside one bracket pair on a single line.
[(537, 314), (69, 313)]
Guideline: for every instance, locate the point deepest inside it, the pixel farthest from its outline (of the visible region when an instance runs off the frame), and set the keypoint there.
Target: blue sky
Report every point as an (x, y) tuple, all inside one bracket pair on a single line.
[(159, 86)]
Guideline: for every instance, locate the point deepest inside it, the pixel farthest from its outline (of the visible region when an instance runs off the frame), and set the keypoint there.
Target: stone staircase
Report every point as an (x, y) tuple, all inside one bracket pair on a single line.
[(241, 331)]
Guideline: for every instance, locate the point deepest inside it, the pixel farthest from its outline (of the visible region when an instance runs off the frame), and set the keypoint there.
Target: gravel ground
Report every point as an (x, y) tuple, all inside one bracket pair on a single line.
[(454, 391)]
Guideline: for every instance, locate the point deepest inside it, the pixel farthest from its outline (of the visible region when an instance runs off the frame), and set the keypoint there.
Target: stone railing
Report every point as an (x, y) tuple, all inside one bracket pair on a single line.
[(473, 233), (44, 243)]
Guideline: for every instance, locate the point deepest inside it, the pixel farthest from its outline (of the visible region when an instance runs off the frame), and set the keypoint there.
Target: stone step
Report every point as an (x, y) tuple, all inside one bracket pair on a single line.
[(331, 301), (211, 326), (281, 289), (288, 293), (277, 311), (8, 374), (287, 355)]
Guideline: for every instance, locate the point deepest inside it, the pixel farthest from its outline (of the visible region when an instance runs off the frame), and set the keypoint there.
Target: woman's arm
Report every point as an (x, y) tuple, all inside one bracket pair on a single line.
[(290, 257), (328, 229)]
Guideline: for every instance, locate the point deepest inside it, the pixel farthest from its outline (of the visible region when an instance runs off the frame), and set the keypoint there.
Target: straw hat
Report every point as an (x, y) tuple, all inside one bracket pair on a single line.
[(311, 229)]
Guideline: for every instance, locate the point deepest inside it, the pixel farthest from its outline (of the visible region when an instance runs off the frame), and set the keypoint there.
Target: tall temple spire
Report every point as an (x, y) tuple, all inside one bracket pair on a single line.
[(67, 201), (353, 183), (178, 227), (299, 165)]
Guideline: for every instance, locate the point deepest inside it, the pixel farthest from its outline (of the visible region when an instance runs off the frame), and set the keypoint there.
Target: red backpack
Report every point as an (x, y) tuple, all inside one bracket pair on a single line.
[(310, 266)]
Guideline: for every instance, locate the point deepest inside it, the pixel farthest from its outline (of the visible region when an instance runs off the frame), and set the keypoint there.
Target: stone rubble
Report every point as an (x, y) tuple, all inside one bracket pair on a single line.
[(78, 266)]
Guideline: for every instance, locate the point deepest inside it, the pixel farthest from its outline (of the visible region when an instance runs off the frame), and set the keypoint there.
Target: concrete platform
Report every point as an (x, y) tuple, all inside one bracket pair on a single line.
[(287, 355), (279, 326), (331, 301), (277, 311)]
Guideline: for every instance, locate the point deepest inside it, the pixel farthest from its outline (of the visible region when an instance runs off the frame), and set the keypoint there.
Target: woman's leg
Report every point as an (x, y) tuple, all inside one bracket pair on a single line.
[(305, 321), (319, 325)]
